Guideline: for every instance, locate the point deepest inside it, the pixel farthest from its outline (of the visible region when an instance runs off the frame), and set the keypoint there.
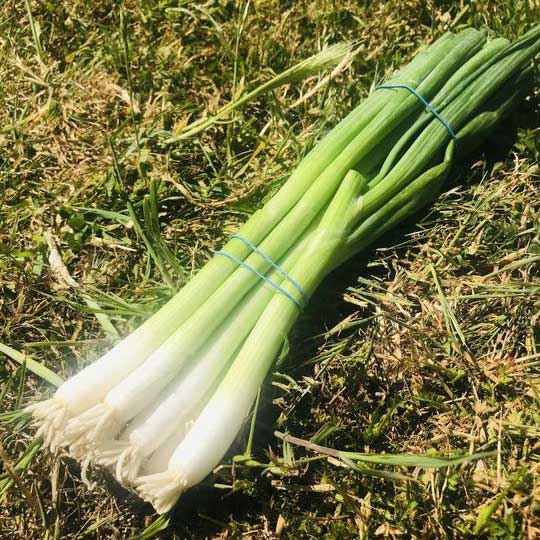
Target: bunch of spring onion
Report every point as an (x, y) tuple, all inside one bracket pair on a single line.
[(162, 407)]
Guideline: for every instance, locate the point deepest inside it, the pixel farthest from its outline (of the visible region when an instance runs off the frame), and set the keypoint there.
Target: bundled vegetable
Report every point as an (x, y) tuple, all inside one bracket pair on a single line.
[(163, 406)]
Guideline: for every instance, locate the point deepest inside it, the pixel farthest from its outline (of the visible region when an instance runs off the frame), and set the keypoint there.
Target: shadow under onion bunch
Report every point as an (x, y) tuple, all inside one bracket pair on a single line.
[(163, 406)]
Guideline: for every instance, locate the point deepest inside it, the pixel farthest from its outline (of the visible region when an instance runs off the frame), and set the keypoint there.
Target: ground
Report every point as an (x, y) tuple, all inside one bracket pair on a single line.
[(429, 342)]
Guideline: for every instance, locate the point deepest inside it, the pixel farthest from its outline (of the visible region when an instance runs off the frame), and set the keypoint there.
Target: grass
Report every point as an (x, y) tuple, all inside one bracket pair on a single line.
[(428, 345)]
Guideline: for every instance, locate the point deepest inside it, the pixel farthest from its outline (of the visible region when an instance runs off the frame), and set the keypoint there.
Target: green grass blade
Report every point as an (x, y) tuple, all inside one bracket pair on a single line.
[(32, 365), (427, 461)]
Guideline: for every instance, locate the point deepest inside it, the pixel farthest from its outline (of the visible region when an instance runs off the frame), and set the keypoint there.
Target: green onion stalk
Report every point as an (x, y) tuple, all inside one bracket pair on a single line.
[(162, 408)]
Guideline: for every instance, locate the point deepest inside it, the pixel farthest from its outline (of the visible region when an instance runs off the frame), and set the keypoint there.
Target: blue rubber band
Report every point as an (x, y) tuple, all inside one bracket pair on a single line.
[(290, 279), (262, 276), (432, 110)]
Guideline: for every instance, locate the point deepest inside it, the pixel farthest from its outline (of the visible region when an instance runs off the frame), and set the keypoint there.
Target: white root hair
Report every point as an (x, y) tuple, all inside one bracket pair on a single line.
[(123, 458), (129, 464), (107, 453), (84, 432), (161, 490), (51, 418)]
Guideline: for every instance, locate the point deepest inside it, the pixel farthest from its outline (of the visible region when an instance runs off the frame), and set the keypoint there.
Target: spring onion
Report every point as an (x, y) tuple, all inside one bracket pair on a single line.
[(162, 408)]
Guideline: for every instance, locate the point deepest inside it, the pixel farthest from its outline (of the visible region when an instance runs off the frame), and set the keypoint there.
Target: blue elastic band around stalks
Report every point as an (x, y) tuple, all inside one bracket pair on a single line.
[(262, 276), (290, 279), (432, 110)]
